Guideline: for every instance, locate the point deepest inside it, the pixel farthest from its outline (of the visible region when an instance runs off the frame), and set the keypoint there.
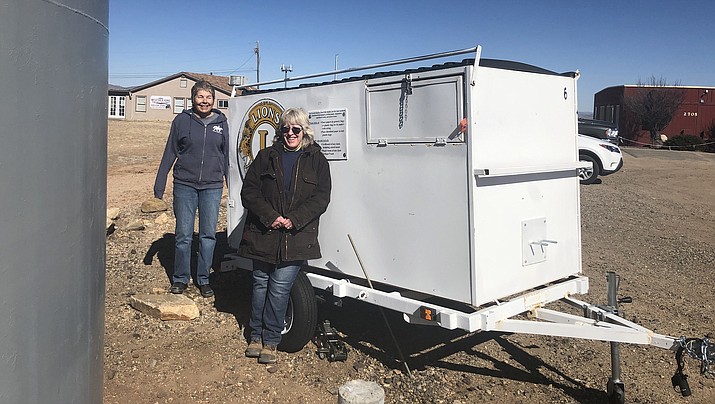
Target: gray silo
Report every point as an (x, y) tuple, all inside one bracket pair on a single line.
[(53, 127)]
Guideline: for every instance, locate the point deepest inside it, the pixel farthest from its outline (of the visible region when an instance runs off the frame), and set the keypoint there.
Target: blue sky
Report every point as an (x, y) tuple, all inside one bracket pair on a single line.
[(609, 42)]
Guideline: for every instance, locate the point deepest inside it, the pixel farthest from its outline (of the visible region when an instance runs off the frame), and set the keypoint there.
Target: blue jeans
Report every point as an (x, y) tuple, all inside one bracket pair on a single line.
[(271, 291), (186, 201)]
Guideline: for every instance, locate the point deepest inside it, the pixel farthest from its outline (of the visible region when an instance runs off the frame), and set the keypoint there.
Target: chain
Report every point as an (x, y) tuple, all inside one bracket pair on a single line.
[(406, 89), (702, 350)]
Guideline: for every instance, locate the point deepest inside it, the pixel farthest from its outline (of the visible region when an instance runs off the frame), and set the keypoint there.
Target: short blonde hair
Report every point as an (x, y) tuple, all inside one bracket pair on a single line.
[(295, 116)]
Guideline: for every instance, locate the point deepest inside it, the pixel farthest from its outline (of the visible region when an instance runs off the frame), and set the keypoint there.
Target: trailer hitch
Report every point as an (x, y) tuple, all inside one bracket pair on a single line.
[(701, 349), (329, 344)]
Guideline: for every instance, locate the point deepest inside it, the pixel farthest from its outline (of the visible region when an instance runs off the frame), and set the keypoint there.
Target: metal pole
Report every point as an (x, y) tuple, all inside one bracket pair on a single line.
[(615, 387), (387, 323), (374, 66), (285, 69), (335, 76), (258, 64)]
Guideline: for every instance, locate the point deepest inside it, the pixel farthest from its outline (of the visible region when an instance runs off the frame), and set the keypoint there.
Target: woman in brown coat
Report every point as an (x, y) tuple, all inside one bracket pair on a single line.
[(286, 189)]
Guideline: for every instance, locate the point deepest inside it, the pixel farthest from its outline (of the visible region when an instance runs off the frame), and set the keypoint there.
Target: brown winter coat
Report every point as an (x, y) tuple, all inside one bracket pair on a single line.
[(263, 196)]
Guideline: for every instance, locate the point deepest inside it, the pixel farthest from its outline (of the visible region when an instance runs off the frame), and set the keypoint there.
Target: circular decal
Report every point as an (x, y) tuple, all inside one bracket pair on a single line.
[(259, 124)]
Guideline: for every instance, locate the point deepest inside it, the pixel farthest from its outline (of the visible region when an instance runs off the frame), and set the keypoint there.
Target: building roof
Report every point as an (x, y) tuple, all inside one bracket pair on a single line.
[(220, 83), (117, 90)]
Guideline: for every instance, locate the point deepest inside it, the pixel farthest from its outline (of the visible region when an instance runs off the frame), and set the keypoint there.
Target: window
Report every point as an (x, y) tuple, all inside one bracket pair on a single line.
[(189, 103), (141, 103), (117, 104), (178, 105), (182, 83), (223, 104)]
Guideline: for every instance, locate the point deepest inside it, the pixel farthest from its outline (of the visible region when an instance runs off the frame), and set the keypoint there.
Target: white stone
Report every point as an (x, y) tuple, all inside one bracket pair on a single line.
[(113, 213), (361, 392), (162, 219)]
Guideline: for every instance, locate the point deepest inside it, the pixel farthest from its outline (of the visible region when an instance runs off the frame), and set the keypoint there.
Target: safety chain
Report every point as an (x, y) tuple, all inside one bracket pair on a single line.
[(406, 90), (696, 348), (701, 349)]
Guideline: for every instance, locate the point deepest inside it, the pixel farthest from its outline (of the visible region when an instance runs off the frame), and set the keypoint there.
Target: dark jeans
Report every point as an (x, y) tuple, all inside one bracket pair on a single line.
[(186, 201), (271, 291)]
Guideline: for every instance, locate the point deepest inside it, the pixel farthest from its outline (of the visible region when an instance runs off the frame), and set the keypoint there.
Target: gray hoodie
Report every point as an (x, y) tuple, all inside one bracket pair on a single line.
[(198, 152)]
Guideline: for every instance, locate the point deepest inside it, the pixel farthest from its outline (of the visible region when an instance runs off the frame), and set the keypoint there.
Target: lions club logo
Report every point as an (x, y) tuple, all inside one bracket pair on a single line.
[(260, 122)]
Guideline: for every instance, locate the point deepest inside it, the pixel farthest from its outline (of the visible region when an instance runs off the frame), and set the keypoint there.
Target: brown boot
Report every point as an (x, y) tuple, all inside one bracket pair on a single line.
[(268, 355), (254, 348)]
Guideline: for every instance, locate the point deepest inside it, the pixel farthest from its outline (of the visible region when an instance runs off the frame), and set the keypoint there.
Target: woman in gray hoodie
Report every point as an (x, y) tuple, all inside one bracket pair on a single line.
[(198, 149)]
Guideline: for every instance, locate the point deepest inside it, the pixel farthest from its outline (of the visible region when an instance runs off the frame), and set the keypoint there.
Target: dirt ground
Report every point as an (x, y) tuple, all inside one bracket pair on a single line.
[(653, 223)]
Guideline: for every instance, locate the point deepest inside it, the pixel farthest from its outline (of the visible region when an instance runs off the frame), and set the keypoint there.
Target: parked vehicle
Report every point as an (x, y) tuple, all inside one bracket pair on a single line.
[(605, 158), (598, 129)]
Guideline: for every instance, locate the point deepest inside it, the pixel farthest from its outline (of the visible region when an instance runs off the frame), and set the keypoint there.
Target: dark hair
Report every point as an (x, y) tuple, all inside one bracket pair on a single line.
[(202, 85)]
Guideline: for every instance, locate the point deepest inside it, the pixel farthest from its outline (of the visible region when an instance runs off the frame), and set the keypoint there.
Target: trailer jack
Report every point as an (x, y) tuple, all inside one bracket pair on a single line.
[(700, 349), (329, 344)]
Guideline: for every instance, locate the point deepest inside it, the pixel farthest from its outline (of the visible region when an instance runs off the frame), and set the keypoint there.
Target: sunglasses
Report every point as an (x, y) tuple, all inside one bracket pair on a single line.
[(296, 129)]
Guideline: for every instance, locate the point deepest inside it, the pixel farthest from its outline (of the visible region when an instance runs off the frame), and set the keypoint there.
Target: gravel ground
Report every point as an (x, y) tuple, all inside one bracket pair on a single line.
[(652, 223)]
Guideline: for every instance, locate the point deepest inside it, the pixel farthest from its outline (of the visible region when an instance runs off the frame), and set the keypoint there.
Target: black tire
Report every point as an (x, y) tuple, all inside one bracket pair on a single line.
[(585, 175), (301, 316)]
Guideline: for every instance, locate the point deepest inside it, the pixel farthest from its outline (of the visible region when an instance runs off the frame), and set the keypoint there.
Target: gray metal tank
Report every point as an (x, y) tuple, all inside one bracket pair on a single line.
[(53, 142)]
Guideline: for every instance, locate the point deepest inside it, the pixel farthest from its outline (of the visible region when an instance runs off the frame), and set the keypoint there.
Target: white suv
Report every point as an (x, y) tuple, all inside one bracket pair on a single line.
[(605, 158)]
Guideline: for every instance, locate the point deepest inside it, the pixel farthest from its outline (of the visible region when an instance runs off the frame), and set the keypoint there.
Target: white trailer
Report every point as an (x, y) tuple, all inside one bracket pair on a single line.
[(456, 183)]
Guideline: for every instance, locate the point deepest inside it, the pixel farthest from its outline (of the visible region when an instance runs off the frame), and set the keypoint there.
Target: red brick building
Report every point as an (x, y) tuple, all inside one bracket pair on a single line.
[(696, 115)]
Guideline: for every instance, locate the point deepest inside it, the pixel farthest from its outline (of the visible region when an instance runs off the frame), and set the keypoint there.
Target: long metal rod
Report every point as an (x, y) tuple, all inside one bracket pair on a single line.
[(615, 380), (373, 66), (384, 317)]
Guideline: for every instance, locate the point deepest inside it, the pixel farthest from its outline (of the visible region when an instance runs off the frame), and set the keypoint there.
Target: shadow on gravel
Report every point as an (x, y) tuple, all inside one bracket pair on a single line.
[(163, 249), (365, 331), (232, 290)]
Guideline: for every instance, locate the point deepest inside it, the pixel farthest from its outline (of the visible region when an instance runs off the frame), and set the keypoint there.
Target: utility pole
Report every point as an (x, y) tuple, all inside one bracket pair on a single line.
[(335, 76), (285, 69), (258, 63)]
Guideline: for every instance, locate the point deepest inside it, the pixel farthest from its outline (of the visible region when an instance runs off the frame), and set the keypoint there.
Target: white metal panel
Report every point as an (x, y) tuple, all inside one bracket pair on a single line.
[(523, 119)]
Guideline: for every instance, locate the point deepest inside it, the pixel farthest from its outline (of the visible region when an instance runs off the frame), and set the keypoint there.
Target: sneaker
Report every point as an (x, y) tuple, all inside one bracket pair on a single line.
[(178, 288), (254, 348), (268, 354), (206, 290)]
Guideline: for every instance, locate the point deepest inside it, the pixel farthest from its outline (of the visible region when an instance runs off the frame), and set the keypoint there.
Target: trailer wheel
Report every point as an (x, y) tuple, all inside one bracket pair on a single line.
[(301, 316), (585, 175)]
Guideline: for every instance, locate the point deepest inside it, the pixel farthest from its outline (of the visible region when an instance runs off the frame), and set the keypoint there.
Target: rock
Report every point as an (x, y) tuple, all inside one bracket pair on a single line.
[(136, 225), (165, 307), (152, 205), (113, 213), (110, 226), (361, 392), (162, 219)]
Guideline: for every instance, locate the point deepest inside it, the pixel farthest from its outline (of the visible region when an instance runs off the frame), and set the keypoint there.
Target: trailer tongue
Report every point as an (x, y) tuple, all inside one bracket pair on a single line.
[(459, 184)]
